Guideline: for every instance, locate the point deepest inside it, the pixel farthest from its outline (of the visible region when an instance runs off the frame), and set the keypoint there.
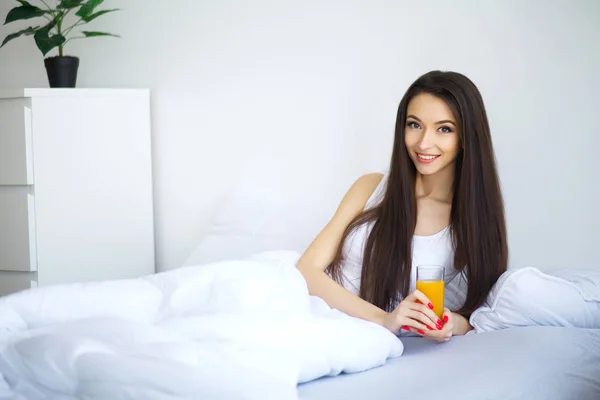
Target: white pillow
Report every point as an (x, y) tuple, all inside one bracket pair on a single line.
[(276, 258), (256, 218), (529, 297)]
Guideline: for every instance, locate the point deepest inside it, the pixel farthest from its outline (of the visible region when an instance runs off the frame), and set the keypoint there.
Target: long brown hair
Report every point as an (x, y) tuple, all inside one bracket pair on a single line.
[(477, 221)]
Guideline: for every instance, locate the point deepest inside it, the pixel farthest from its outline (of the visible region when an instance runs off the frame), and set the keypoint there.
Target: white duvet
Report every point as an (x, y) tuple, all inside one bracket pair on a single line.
[(243, 329)]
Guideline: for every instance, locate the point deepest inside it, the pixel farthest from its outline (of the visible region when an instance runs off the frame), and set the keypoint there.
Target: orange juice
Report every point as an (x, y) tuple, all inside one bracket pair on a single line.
[(434, 290)]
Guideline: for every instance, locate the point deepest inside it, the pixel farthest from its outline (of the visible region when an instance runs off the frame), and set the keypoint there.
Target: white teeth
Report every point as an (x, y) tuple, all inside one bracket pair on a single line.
[(426, 157)]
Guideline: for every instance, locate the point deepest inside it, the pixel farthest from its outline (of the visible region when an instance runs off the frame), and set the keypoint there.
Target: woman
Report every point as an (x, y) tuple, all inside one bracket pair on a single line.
[(439, 203)]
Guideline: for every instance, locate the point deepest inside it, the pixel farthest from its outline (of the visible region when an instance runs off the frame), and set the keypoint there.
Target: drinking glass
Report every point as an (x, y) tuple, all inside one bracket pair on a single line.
[(430, 281)]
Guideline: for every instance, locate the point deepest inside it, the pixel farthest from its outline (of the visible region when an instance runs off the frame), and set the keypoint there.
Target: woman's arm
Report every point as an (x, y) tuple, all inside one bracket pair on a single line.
[(461, 325), (322, 250), (412, 313)]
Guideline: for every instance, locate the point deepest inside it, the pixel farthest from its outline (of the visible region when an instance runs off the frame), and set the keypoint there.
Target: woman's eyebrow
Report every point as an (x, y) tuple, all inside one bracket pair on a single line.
[(444, 121)]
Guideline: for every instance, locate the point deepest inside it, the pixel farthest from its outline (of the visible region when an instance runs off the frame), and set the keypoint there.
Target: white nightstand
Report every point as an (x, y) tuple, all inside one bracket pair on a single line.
[(75, 186)]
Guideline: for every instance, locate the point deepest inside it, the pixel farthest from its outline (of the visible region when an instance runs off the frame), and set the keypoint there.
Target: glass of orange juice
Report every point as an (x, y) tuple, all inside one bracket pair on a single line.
[(430, 281)]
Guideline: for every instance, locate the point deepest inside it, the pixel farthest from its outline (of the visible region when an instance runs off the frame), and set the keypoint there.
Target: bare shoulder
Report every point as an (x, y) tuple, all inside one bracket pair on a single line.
[(357, 196), (366, 184), (322, 250), (370, 179)]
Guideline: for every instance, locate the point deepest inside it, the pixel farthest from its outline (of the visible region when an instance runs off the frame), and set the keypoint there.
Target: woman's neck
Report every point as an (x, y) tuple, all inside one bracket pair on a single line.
[(439, 186)]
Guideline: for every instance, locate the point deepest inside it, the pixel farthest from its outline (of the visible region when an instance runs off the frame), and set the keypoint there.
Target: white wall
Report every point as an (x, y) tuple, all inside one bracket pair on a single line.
[(312, 88)]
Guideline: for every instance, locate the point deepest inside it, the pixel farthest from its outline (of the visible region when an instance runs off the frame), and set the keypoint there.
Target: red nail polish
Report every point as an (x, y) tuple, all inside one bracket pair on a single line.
[(406, 328), (445, 318), (430, 328), (430, 306), (420, 331)]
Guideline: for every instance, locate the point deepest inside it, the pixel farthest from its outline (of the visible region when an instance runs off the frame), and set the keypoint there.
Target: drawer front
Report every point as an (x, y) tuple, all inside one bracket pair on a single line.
[(18, 249), (12, 282), (16, 146)]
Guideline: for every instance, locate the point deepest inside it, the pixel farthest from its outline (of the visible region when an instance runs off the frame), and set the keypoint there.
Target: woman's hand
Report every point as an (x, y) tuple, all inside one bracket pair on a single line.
[(414, 313), (447, 331), (454, 324)]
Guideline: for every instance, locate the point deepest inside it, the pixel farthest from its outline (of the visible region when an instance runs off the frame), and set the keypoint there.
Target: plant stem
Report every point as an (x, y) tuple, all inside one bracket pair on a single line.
[(69, 29), (59, 31), (46, 4), (73, 38), (52, 11)]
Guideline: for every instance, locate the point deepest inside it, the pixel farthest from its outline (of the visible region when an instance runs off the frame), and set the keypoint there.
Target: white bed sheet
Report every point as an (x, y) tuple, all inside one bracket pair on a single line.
[(545, 363)]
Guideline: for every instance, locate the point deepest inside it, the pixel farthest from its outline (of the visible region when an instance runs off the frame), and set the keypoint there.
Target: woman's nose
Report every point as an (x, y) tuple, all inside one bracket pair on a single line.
[(426, 141)]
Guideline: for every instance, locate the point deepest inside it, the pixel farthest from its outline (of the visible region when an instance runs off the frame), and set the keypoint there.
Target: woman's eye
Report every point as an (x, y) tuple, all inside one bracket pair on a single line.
[(413, 124), (445, 129)]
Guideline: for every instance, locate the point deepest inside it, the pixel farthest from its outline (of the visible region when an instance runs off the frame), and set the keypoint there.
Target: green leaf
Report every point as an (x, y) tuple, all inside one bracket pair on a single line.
[(88, 8), (24, 12), (70, 3), (29, 31), (93, 34), (96, 15), (44, 41)]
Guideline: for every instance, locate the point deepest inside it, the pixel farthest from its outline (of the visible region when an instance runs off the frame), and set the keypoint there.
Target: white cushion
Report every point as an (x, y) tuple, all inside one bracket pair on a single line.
[(276, 258), (528, 297), (257, 217)]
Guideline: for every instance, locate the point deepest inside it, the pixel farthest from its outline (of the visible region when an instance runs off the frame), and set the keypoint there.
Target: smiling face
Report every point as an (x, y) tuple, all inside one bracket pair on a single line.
[(431, 134)]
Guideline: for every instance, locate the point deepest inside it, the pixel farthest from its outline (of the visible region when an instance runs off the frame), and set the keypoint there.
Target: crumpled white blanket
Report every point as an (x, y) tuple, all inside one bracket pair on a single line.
[(244, 329)]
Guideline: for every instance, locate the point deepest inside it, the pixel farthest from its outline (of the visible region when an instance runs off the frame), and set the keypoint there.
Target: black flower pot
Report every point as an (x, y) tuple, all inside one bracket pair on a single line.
[(62, 71)]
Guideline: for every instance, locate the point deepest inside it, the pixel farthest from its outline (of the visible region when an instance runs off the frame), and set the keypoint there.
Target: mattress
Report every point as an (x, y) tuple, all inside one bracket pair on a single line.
[(519, 363)]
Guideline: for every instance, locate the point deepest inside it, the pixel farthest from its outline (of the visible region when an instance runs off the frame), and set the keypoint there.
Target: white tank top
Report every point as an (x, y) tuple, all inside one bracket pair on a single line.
[(436, 249)]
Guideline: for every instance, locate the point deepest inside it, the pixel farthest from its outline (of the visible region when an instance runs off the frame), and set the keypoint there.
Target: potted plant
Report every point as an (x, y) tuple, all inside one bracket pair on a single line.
[(56, 32)]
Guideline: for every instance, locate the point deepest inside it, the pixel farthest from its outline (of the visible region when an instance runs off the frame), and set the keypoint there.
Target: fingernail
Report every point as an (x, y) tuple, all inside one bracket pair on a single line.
[(445, 318), (430, 306), (420, 331), (439, 322), (430, 328), (406, 328)]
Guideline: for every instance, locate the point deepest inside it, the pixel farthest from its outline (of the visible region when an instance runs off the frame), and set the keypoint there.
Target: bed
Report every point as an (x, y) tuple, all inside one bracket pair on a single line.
[(519, 363), (532, 339), (237, 322), (249, 329)]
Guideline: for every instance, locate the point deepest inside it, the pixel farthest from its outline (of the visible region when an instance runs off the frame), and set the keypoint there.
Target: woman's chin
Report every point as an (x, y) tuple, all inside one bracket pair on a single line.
[(426, 169), (431, 168)]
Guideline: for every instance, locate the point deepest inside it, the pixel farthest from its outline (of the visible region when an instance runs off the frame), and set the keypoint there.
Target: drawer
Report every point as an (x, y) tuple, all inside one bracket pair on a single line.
[(12, 282), (18, 247), (16, 146)]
